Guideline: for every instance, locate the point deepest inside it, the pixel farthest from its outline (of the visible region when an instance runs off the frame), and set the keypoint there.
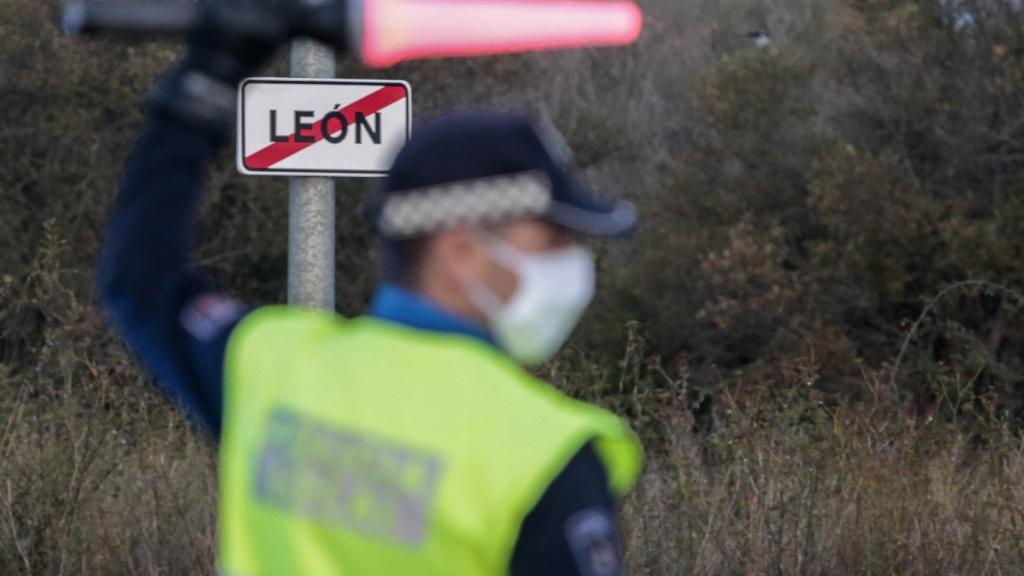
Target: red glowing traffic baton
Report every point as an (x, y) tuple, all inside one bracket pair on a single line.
[(391, 31), (386, 32)]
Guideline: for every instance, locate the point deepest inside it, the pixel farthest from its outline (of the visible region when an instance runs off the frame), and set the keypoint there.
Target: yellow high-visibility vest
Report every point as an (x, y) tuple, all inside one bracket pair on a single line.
[(362, 447)]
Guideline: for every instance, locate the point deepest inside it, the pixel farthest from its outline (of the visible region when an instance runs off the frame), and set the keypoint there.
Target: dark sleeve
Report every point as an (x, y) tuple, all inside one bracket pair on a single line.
[(173, 318), (572, 529)]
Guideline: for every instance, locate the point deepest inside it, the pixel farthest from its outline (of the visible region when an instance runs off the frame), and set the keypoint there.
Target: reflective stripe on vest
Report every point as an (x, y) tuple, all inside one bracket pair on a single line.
[(364, 447)]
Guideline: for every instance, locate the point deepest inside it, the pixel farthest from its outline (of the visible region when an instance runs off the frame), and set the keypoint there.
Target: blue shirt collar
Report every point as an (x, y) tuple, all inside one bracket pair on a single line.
[(393, 303)]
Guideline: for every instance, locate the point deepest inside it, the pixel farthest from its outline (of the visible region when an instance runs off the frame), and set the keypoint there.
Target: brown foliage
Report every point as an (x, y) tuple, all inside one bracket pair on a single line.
[(831, 188)]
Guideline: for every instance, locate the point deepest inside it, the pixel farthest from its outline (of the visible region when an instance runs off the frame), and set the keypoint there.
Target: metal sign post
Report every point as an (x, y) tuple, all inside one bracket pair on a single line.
[(313, 128), (311, 209)]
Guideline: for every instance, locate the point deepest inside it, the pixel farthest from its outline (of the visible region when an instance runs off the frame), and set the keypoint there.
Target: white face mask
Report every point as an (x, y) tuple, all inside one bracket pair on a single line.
[(554, 290)]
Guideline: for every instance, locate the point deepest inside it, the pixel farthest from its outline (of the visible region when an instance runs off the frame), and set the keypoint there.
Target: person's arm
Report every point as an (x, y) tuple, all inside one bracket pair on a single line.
[(172, 317), (572, 529), (175, 320)]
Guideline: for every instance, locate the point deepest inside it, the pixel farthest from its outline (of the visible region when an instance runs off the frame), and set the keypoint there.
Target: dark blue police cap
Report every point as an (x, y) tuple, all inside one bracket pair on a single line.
[(486, 167)]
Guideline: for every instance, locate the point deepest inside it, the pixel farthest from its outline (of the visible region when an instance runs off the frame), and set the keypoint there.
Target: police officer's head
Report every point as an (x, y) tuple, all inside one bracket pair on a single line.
[(482, 215)]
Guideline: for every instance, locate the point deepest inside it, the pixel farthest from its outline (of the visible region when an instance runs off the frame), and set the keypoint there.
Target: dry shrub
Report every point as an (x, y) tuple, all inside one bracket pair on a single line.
[(98, 475), (830, 186)]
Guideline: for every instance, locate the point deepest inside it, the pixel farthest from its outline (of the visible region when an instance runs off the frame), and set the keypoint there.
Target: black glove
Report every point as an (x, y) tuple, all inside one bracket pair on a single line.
[(325, 21), (233, 40)]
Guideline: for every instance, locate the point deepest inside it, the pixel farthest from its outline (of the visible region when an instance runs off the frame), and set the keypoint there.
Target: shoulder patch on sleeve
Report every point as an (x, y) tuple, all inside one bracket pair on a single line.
[(594, 541), (206, 315)]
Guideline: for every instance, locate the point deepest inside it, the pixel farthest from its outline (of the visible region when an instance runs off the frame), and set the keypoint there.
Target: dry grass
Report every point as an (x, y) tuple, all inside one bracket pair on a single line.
[(79, 497), (782, 485), (774, 478), (872, 499)]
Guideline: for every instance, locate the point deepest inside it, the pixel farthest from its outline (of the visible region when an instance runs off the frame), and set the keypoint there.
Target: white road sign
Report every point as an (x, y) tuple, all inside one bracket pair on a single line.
[(298, 127)]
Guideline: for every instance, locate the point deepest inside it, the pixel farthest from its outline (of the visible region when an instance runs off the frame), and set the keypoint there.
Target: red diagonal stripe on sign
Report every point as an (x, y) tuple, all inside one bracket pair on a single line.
[(278, 151)]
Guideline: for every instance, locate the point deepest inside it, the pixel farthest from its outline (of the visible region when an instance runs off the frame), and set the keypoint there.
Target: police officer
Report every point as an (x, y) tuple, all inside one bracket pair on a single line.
[(411, 440)]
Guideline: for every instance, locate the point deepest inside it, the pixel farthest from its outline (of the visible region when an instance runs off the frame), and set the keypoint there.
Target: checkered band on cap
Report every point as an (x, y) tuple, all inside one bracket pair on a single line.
[(478, 201)]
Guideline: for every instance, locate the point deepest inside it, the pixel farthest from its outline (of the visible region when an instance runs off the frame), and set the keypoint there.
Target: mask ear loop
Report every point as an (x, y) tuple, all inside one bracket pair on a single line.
[(478, 292), (503, 252), (485, 299)]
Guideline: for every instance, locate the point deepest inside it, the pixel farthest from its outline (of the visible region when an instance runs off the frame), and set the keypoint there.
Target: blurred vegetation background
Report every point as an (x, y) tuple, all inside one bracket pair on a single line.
[(817, 331)]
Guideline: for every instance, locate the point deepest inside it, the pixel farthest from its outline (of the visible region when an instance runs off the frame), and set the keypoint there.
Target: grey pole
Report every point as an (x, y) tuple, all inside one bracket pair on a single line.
[(311, 206)]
